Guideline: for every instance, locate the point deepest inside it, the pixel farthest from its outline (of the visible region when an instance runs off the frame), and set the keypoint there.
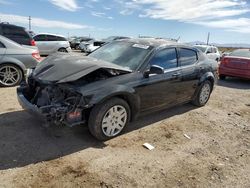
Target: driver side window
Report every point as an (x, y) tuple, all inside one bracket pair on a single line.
[(166, 58)]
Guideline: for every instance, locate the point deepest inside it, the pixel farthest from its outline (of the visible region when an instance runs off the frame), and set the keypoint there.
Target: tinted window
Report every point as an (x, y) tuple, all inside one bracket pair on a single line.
[(51, 38), (12, 31), (61, 39), (2, 45), (187, 56), (241, 53), (165, 58), (40, 38)]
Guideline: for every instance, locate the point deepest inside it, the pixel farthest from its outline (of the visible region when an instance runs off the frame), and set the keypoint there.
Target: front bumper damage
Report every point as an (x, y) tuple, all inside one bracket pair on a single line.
[(60, 113)]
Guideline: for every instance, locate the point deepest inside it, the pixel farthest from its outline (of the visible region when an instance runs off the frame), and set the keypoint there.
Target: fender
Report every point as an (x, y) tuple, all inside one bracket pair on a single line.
[(127, 93), (207, 76), (14, 61)]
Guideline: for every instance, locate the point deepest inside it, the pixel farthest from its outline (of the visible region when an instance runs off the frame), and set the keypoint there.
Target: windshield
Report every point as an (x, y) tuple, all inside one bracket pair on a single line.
[(241, 53), (126, 54), (201, 48)]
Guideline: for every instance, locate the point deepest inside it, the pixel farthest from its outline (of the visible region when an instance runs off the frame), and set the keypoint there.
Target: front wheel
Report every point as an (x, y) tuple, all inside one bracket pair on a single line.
[(203, 94), (109, 118)]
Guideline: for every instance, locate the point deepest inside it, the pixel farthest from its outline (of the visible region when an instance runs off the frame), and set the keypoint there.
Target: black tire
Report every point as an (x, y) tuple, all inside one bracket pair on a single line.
[(97, 115), (77, 47), (19, 75), (63, 50), (197, 101), (222, 77)]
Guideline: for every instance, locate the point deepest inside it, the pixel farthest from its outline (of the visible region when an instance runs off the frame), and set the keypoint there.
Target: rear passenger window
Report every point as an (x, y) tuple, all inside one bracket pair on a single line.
[(14, 32), (61, 39), (187, 56), (165, 58), (40, 38), (51, 38)]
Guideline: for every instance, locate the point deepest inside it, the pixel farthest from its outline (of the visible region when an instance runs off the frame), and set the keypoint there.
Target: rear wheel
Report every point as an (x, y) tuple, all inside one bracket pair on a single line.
[(63, 50), (109, 118), (203, 94), (10, 75)]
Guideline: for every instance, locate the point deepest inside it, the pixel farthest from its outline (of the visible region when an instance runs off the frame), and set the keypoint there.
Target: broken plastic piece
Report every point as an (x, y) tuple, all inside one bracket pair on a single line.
[(148, 146)]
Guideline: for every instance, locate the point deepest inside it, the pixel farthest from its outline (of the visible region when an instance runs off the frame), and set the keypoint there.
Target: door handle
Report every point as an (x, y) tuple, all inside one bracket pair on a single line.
[(176, 74)]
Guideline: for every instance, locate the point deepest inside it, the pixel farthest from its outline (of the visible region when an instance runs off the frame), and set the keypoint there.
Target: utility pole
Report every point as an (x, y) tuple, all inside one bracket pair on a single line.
[(208, 38), (30, 23)]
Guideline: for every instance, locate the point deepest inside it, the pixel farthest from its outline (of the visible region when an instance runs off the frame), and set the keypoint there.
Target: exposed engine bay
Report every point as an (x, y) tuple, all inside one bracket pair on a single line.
[(60, 103)]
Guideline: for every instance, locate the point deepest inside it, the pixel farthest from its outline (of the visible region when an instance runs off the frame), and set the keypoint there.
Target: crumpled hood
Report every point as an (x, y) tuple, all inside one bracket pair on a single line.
[(69, 67)]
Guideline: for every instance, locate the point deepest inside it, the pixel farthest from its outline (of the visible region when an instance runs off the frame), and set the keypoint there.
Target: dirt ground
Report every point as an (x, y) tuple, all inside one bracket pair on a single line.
[(216, 155)]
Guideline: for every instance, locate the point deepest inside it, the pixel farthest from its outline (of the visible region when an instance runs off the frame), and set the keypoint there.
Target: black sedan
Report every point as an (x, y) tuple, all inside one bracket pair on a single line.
[(113, 85)]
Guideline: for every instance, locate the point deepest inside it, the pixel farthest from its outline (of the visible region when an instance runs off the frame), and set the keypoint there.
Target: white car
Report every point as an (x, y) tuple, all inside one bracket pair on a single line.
[(50, 43), (212, 52), (93, 46)]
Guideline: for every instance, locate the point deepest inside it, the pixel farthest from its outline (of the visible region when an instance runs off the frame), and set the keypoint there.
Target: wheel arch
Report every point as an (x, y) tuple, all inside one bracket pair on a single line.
[(17, 64), (208, 76), (132, 100)]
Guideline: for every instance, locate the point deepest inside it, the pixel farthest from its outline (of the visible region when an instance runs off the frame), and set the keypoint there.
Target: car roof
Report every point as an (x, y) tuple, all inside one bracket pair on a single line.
[(204, 45), (50, 34), (12, 25), (155, 42)]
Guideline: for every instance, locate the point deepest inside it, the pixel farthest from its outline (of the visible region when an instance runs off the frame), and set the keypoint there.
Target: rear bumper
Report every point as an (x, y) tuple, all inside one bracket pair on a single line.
[(234, 72)]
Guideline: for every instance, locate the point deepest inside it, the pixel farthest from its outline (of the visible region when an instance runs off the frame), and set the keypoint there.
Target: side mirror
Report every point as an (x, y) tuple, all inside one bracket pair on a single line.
[(154, 69)]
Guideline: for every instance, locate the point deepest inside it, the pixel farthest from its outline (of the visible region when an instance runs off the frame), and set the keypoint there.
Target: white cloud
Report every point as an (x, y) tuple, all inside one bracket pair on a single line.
[(211, 13), (69, 5), (40, 22), (4, 2), (241, 25), (101, 15)]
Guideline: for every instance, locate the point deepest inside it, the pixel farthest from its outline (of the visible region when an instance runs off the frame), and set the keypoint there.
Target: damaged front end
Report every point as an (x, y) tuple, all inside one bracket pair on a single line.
[(55, 103)]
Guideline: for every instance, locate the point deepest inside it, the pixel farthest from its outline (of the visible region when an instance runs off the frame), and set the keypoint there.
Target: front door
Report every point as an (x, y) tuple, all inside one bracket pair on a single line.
[(159, 90)]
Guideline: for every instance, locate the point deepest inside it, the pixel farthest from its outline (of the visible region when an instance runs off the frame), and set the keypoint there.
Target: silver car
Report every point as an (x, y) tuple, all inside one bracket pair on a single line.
[(51, 43), (15, 59)]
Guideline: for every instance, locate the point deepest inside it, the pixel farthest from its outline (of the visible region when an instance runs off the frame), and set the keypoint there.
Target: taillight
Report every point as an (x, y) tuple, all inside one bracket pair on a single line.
[(224, 61), (32, 42), (36, 56)]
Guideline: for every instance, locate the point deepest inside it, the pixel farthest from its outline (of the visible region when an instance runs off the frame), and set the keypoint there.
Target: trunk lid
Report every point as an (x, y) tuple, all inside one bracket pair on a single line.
[(236, 62)]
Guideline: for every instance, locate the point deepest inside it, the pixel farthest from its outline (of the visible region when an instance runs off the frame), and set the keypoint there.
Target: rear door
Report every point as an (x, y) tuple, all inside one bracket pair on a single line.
[(188, 63), (41, 43), (52, 44)]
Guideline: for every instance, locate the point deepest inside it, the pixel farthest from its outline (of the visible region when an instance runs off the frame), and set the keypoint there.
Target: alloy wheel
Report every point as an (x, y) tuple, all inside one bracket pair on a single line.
[(205, 93), (114, 120), (9, 75)]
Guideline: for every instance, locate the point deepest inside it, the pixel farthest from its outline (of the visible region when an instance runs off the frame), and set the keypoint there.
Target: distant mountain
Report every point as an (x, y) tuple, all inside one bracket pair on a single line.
[(232, 45)]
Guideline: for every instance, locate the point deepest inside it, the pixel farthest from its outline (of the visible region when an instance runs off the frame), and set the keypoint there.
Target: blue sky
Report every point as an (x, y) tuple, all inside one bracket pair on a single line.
[(228, 21)]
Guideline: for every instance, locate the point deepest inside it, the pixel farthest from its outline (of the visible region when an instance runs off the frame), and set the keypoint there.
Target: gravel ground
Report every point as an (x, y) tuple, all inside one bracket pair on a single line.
[(216, 155)]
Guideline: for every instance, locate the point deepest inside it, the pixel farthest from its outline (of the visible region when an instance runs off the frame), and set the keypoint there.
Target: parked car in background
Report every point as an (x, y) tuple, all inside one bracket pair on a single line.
[(14, 60), (94, 46), (17, 34), (212, 52), (83, 45), (117, 82), (51, 43), (236, 64), (76, 42)]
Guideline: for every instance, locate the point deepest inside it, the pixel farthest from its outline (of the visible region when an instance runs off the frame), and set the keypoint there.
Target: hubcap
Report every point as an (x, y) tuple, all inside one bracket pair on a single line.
[(114, 120), (9, 75), (205, 92)]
